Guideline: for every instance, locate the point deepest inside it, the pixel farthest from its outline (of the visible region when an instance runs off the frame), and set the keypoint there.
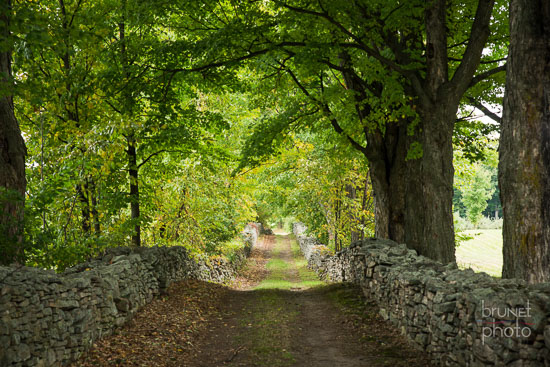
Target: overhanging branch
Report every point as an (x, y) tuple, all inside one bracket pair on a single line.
[(480, 106), (486, 74), (328, 113), (157, 153)]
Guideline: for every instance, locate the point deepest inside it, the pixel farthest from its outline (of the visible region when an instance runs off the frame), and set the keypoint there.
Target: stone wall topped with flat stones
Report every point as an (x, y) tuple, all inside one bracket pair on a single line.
[(459, 317), (49, 319)]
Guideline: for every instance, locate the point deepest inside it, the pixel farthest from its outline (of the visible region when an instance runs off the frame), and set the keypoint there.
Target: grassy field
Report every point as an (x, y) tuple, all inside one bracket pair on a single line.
[(483, 252)]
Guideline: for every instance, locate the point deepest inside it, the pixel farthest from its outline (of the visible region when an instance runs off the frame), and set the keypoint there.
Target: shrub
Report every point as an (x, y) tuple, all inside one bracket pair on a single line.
[(461, 224), (488, 223)]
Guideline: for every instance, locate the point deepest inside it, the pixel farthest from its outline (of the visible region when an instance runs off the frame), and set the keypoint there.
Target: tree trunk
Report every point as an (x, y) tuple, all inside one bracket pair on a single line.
[(134, 189), (426, 222), (71, 108), (337, 221), (364, 204), (82, 192), (390, 179), (95, 213), (524, 162), (131, 150), (382, 208), (328, 218), (429, 218), (389, 172), (386, 152), (351, 193), (12, 159)]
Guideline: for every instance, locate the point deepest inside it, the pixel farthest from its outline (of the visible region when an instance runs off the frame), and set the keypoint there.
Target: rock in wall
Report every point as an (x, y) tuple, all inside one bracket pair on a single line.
[(49, 319), (459, 317)]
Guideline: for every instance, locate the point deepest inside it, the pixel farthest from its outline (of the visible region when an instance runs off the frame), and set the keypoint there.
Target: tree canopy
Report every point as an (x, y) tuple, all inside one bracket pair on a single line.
[(178, 122)]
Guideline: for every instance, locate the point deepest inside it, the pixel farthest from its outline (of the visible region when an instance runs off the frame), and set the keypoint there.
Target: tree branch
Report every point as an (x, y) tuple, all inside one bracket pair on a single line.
[(483, 62), (217, 64), (480, 106), (437, 71), (157, 153), (479, 33), (336, 126), (486, 74), (113, 107), (328, 113), (359, 42)]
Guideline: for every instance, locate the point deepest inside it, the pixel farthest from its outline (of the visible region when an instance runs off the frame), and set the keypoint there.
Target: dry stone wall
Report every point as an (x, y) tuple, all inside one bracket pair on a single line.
[(49, 319), (459, 317)]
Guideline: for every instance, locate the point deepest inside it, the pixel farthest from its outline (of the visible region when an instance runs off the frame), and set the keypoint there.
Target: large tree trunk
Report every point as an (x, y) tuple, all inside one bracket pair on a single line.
[(426, 222), (524, 165), (386, 153), (429, 222), (429, 200), (429, 218), (398, 178), (413, 198), (12, 158), (133, 167), (389, 176)]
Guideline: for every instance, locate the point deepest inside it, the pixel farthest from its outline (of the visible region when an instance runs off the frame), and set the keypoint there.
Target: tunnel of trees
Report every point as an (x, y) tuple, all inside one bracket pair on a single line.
[(159, 123)]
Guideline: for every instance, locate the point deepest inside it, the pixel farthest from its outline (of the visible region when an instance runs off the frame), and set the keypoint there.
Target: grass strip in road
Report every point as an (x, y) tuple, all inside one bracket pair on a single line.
[(308, 278), (288, 273), (268, 328)]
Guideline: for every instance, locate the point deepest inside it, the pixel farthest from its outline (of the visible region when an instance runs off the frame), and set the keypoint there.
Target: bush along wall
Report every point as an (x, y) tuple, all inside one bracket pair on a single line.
[(459, 317), (49, 319)]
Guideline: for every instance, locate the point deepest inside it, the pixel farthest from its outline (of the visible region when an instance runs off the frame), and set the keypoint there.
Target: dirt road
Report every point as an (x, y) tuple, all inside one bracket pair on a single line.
[(275, 314)]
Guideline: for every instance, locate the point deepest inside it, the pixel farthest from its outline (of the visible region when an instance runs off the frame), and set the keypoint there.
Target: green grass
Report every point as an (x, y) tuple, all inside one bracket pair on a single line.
[(282, 272), (273, 315), (277, 265), (275, 284), (483, 252)]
